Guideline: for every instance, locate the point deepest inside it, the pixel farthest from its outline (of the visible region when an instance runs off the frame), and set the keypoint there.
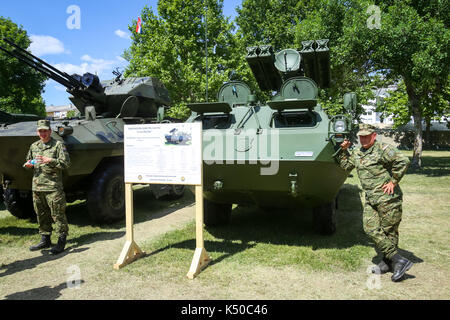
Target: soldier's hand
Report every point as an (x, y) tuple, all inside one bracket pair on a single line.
[(28, 164), (388, 187), (346, 144), (42, 159)]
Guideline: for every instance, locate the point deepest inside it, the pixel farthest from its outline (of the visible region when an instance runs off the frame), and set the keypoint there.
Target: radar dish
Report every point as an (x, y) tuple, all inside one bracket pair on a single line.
[(287, 60)]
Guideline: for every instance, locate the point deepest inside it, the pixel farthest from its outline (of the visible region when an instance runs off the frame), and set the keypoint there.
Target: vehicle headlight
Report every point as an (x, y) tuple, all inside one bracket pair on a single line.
[(65, 131), (340, 126)]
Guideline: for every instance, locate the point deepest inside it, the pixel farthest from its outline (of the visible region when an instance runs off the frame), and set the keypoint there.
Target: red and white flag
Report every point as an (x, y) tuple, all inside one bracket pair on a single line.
[(139, 26)]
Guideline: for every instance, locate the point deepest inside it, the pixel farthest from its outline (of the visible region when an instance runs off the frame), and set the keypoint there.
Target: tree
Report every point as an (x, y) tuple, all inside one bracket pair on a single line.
[(410, 44), (325, 20), (270, 22), (435, 106), (172, 48), (20, 85)]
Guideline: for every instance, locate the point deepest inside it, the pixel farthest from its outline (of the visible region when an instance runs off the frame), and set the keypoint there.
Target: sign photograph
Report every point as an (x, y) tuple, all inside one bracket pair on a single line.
[(169, 153)]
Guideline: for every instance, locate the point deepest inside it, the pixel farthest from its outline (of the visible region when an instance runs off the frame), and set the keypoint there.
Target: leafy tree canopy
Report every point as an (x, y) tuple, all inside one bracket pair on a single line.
[(20, 85), (410, 44), (172, 48)]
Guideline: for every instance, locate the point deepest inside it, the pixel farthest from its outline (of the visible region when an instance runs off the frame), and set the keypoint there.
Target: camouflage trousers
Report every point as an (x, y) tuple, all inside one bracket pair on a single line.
[(381, 225), (50, 206)]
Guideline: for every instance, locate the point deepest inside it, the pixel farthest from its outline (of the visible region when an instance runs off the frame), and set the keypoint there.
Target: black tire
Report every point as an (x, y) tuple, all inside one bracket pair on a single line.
[(19, 205), (324, 218), (216, 214), (176, 192), (106, 196)]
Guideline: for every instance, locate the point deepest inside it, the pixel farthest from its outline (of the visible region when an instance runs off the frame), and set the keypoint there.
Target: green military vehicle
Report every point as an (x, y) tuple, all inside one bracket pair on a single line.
[(94, 141), (277, 154), (10, 118)]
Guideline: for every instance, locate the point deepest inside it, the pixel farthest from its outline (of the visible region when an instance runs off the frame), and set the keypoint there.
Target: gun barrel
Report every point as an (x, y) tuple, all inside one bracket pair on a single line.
[(41, 66)]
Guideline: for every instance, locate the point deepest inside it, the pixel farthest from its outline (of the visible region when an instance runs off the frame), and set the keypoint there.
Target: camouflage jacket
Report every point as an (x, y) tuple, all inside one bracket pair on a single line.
[(376, 166), (48, 177)]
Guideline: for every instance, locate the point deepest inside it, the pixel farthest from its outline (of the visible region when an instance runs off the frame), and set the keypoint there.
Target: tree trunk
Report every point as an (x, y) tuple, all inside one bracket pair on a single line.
[(417, 117), (427, 139)]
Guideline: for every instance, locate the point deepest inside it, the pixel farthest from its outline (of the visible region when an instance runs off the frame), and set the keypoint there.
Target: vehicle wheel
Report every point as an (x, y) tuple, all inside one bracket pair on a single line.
[(106, 197), (176, 192), (19, 205), (216, 214), (269, 209), (324, 218)]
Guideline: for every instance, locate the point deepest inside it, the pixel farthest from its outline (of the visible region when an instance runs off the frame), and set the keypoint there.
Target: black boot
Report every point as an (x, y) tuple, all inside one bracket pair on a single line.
[(45, 243), (60, 245), (400, 266), (382, 267)]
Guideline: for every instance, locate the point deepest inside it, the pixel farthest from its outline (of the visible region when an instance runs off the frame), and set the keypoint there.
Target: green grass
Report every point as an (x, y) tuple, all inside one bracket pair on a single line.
[(277, 239), (16, 232), (24, 232), (280, 239)]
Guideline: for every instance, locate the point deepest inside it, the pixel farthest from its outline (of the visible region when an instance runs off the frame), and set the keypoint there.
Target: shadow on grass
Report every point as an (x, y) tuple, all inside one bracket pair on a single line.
[(86, 239), (21, 265), (295, 227), (251, 225), (73, 245), (146, 207), (18, 231), (42, 293), (433, 167)]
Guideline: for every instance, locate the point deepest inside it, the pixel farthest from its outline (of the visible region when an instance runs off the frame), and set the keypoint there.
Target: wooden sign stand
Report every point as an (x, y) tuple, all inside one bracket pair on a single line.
[(131, 250), (201, 257)]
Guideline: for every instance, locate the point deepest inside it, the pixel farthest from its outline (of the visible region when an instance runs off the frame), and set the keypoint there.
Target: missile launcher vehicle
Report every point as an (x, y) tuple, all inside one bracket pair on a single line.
[(277, 154)]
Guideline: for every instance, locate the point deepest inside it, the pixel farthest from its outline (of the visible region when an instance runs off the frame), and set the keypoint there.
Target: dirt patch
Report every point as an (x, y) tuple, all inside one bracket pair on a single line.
[(85, 269), (38, 275)]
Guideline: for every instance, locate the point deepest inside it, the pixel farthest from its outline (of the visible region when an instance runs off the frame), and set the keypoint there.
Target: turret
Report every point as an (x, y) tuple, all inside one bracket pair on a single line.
[(126, 98)]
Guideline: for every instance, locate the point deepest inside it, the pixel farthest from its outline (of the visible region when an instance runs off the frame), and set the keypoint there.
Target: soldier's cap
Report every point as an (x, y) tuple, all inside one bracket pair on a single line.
[(365, 129), (43, 124)]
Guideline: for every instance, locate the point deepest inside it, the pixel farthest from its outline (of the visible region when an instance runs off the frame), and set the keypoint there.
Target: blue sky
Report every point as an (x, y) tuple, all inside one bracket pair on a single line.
[(95, 47)]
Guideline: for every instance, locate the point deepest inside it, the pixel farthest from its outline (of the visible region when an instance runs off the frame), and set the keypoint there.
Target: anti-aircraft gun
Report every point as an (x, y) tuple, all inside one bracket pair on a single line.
[(130, 97), (277, 154), (94, 141)]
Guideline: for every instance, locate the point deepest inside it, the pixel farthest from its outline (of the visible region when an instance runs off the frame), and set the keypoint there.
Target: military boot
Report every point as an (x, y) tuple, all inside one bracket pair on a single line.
[(400, 266), (60, 245), (45, 243), (382, 267)]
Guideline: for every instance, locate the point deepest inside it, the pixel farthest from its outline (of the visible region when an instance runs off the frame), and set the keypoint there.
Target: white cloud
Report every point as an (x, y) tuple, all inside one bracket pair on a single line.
[(103, 68), (122, 34), (43, 45)]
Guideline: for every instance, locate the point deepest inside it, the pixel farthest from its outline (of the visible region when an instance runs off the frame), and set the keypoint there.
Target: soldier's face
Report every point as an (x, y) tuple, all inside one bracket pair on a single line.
[(44, 135), (368, 141)]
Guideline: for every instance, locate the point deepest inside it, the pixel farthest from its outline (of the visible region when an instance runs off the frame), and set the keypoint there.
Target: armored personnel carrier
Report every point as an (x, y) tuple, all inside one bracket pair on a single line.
[(94, 141), (277, 154)]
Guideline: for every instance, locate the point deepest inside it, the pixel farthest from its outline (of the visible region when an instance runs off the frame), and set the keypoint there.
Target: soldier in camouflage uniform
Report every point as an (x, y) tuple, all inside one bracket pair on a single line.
[(48, 158), (380, 168)]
